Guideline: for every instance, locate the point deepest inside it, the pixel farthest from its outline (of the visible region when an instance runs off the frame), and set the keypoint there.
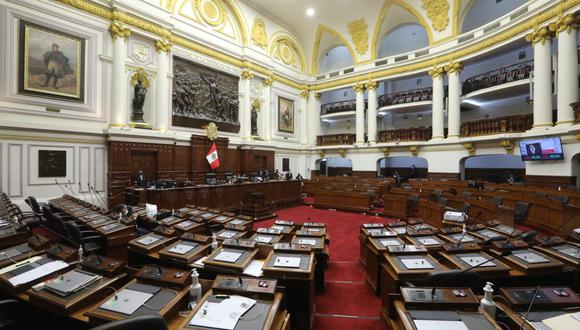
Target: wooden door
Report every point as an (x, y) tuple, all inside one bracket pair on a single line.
[(146, 161)]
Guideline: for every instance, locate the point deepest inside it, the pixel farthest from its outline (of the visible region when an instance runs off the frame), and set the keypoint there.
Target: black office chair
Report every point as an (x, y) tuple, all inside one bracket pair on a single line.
[(560, 198), (148, 321), (56, 224), (496, 200), (210, 178), (529, 237), (521, 211), (34, 206), (91, 242), (10, 314)]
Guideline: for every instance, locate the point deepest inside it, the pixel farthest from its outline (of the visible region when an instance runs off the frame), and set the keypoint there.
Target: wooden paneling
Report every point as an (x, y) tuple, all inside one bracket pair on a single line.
[(439, 176), (550, 181), (497, 175)]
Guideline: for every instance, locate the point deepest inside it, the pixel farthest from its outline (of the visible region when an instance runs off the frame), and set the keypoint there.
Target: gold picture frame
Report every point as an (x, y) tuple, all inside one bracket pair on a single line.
[(51, 63), (285, 115)]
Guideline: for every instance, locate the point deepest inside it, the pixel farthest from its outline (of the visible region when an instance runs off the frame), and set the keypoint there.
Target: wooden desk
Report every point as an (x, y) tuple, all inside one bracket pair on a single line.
[(223, 196), (341, 200), (557, 251), (498, 270), (376, 247)]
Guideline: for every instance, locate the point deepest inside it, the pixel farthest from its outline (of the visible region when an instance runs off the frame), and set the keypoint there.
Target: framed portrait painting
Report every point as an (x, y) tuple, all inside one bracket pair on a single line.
[(51, 63), (285, 115)]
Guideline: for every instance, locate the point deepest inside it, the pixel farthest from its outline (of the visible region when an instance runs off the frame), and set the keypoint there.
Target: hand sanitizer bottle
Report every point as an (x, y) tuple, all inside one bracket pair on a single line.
[(194, 289), (214, 243), (80, 255), (487, 303)]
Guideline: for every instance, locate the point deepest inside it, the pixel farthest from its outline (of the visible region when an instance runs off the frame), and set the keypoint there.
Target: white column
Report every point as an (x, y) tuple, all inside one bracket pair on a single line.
[(162, 103), (266, 111), (313, 118), (454, 113), (360, 113), (541, 41), (566, 29), (438, 95), (246, 105), (118, 110), (303, 104), (372, 111)]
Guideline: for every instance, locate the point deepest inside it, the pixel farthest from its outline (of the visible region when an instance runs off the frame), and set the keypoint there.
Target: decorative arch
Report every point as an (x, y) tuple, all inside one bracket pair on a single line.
[(322, 29), (279, 42), (377, 36), (175, 6), (391, 30)]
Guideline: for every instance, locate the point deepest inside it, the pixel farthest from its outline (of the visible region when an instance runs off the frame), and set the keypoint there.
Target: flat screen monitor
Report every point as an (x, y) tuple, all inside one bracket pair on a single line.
[(542, 149)]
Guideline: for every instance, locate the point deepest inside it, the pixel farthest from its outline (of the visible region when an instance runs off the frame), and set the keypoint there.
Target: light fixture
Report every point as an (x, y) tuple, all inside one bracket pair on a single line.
[(310, 12)]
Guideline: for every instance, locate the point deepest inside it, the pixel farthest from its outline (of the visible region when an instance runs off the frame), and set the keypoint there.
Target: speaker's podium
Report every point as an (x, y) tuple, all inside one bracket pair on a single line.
[(255, 206), (421, 308)]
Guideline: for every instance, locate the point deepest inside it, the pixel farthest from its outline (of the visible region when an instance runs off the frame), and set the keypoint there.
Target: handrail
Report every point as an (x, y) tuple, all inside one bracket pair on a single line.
[(507, 124), (406, 134), (498, 76), (402, 97), (335, 139)]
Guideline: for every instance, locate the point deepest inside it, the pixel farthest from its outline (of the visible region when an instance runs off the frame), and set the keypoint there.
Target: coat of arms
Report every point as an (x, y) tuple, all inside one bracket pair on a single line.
[(211, 131)]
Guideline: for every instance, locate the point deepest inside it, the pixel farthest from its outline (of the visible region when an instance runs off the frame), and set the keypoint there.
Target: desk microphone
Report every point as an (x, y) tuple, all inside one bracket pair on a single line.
[(61, 188), (530, 306), (465, 227), (91, 193), (82, 192), (454, 275), (100, 197), (69, 187)]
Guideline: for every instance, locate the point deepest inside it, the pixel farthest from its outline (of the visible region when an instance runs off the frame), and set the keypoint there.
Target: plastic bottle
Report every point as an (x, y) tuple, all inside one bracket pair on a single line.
[(195, 288), (487, 303), (214, 243)]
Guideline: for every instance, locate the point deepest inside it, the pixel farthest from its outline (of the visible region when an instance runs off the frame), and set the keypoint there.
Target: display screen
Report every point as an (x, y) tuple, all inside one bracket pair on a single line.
[(542, 149)]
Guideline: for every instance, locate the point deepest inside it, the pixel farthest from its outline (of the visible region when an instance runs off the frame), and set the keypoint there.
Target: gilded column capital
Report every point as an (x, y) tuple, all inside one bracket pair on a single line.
[(437, 71), (359, 87), (565, 23), (118, 30), (317, 96), (414, 150), (371, 85), (540, 35), (163, 45), (470, 147), (268, 81), (454, 67), (246, 75), (304, 93), (508, 145)]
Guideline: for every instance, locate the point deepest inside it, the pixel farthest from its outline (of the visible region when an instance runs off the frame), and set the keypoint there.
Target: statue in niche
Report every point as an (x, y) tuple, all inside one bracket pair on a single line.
[(254, 117), (138, 100)]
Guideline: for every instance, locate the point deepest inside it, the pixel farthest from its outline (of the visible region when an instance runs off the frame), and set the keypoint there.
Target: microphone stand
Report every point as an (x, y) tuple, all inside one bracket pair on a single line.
[(72, 191), (91, 193), (61, 188), (82, 192), (101, 197), (530, 306)]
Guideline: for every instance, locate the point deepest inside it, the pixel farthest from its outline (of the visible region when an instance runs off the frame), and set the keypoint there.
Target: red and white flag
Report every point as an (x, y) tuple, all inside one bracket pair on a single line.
[(212, 158)]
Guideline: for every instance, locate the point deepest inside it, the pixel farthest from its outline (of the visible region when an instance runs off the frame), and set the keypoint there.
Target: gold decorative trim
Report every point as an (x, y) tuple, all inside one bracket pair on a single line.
[(542, 125), (342, 152), (565, 23), (358, 87), (386, 151), (414, 150), (259, 35), (437, 72), (317, 96), (118, 30), (454, 67), (304, 93), (246, 75), (211, 131), (470, 147), (256, 104), (163, 45), (371, 85), (321, 153), (360, 37), (539, 35), (508, 145), (565, 122), (438, 13), (319, 33), (268, 82)]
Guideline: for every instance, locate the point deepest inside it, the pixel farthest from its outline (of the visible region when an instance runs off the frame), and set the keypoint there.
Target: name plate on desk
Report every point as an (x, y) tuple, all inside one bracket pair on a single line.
[(268, 231), (314, 224), (406, 249), (421, 296), (239, 243), (284, 222)]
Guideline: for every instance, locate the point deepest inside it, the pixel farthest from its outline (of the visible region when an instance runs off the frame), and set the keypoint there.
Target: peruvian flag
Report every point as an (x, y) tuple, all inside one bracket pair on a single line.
[(212, 158)]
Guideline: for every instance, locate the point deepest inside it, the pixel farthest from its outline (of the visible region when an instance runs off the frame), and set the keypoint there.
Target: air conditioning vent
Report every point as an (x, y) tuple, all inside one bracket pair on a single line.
[(465, 38), (320, 77), (382, 62), (519, 13), (349, 70), (401, 58), (422, 53), (333, 74), (491, 27)]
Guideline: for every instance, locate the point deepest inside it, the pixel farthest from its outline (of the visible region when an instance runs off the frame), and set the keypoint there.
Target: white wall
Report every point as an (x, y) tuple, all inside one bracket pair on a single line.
[(334, 59), (484, 11), (403, 39)]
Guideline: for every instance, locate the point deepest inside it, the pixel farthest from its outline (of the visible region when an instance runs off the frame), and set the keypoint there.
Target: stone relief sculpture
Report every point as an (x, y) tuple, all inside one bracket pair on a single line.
[(202, 95), (438, 13)]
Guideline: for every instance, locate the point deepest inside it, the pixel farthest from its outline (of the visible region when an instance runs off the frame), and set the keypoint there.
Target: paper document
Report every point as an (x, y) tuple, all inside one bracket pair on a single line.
[(222, 315), (465, 238), (440, 325), (417, 264), (476, 261), (263, 239), (254, 268), (428, 241), (237, 222), (126, 301), (564, 322), (227, 234), (181, 248), (228, 256), (19, 264), (530, 257), (390, 242), (307, 241), (147, 240), (290, 262), (38, 272), (184, 224)]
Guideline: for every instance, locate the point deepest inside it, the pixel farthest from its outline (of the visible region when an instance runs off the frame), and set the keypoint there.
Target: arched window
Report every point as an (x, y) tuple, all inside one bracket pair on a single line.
[(480, 12), (402, 39), (335, 58)]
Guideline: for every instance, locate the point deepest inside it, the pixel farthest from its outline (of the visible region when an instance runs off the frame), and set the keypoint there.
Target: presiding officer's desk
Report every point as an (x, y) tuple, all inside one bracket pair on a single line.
[(222, 196)]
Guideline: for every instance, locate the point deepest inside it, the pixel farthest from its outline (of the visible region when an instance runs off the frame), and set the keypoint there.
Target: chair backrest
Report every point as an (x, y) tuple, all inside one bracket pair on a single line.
[(33, 203), (148, 321), (74, 233), (521, 210), (496, 200), (442, 201)]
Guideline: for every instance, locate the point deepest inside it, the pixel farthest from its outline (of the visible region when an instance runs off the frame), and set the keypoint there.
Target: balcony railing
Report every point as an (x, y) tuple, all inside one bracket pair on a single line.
[(497, 77), (405, 134), (336, 107), (414, 95), (335, 139), (509, 124)]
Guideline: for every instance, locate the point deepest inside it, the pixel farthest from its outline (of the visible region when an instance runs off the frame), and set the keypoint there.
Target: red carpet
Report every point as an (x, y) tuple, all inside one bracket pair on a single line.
[(347, 302)]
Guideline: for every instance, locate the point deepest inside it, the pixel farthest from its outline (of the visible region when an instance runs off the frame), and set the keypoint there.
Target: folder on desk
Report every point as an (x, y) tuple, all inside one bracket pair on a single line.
[(530, 257), (223, 314), (263, 239), (226, 256), (127, 301), (289, 262), (428, 241), (567, 250), (413, 264), (390, 242), (182, 248), (71, 282), (148, 240), (307, 241), (473, 261), (227, 234), (184, 224)]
